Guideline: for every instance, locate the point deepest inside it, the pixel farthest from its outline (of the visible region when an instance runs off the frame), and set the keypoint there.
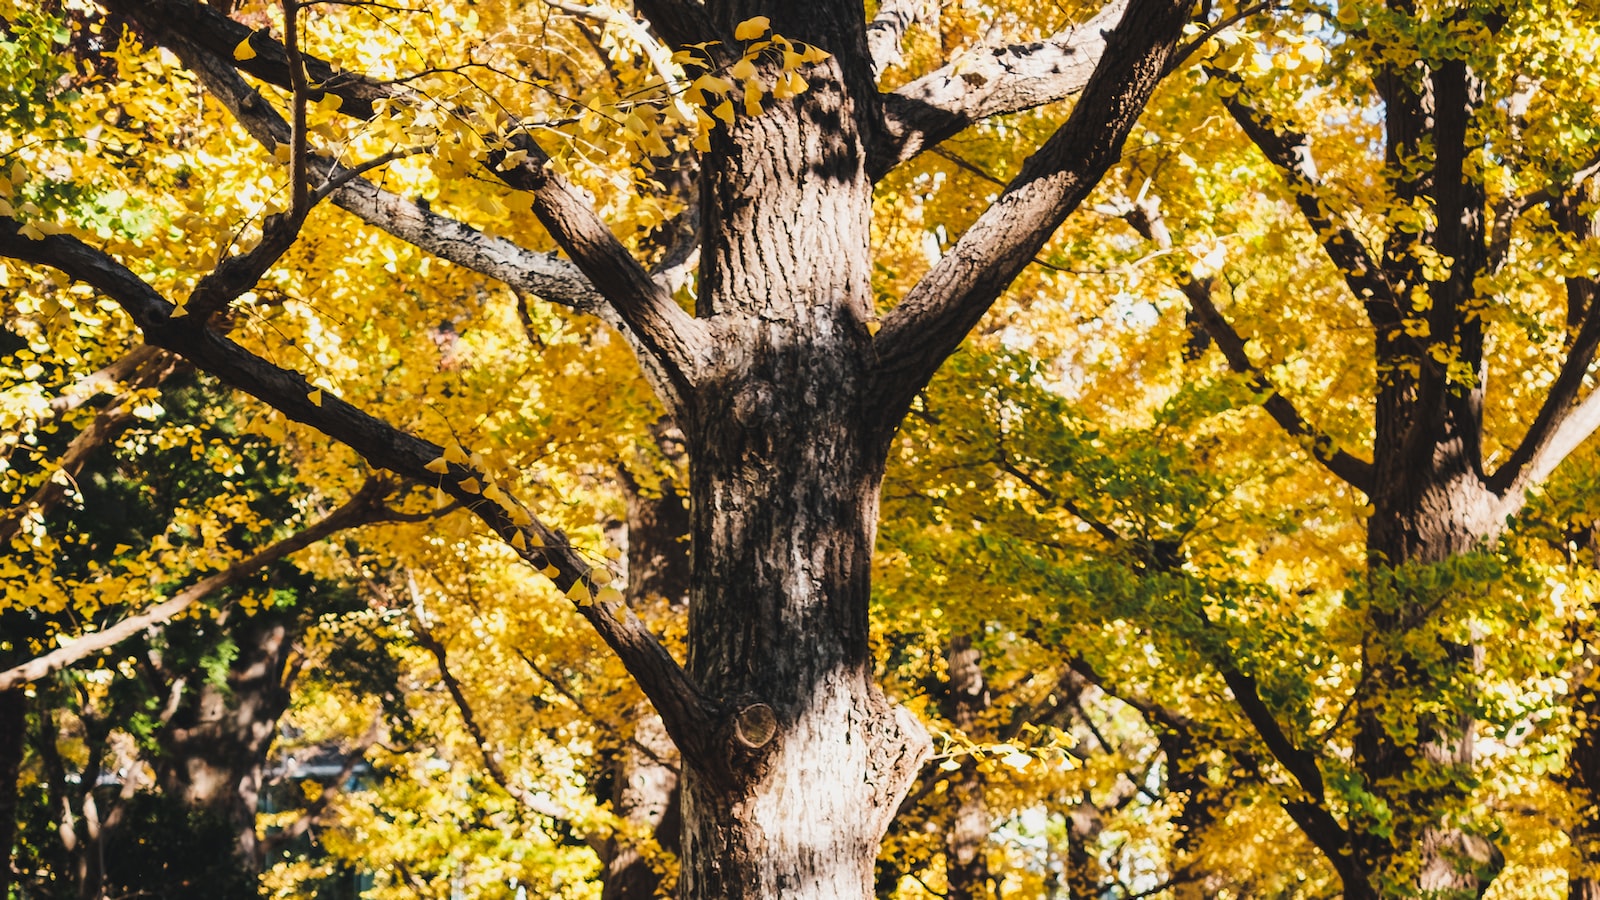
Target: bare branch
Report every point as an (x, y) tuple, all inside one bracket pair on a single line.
[(687, 714), (944, 306), (364, 507), (984, 82)]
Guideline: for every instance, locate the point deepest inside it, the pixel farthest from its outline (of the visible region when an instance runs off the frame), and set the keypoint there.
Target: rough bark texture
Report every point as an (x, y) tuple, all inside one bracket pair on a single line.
[(1583, 779), (798, 795)]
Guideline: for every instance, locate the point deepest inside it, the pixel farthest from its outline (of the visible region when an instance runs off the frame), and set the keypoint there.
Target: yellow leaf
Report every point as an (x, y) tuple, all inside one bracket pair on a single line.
[(438, 466), (550, 571), (519, 540), (519, 515), (743, 70), (244, 51), (579, 593), (471, 485), (455, 454), (724, 111), (873, 327), (750, 29), (601, 575), (315, 397), (752, 98), (610, 595)]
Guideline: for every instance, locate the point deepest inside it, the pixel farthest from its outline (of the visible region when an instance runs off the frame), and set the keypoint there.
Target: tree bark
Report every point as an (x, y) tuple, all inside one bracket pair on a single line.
[(814, 759), (1583, 779)]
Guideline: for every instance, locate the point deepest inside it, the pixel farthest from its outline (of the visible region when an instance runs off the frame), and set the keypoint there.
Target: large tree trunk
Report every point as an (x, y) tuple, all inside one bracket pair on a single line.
[(1583, 779), (786, 464), (214, 752)]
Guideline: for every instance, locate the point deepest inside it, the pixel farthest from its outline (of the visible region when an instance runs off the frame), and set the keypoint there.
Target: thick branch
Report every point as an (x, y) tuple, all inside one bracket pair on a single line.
[(980, 83), (365, 507), (384, 446), (937, 314)]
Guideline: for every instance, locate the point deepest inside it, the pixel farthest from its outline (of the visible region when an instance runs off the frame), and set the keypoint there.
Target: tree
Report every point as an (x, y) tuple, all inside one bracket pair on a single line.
[(784, 386)]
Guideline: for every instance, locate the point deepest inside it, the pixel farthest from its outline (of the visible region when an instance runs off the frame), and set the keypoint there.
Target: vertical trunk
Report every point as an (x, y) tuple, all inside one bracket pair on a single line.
[(646, 796), (214, 752), (1583, 779), (966, 863), (786, 464), (13, 722)]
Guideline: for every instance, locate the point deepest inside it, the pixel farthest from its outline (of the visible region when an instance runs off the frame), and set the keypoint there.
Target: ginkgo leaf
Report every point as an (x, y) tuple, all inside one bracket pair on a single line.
[(244, 51), (579, 593), (471, 485), (438, 466), (609, 595), (724, 111), (752, 28), (315, 397)]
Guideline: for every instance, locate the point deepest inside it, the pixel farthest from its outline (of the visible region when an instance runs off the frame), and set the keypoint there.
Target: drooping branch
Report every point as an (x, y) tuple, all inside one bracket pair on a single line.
[(944, 306), (681, 706), (365, 507), (1146, 219), (980, 83)]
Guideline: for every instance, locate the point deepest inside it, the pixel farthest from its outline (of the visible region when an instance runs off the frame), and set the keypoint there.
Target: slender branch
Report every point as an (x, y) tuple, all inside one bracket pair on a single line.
[(1563, 421), (669, 338), (491, 762), (944, 306), (980, 83), (361, 509), (1290, 153), (1146, 219), (106, 425), (687, 714)]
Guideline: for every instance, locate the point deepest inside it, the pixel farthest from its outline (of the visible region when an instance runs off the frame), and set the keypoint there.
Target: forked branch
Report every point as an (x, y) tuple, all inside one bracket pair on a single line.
[(984, 82), (944, 306)]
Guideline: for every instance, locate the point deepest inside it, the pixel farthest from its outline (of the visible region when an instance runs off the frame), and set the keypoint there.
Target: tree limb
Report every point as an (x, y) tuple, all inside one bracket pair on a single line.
[(670, 337), (1145, 218), (364, 507), (982, 82), (1290, 153), (886, 30), (687, 714), (944, 306)]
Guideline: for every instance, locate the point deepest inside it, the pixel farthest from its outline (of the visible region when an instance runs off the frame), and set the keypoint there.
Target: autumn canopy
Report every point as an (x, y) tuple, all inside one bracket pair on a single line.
[(742, 449)]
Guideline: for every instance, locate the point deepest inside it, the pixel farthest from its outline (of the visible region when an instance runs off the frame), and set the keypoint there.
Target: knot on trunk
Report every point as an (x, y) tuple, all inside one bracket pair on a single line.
[(754, 726)]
